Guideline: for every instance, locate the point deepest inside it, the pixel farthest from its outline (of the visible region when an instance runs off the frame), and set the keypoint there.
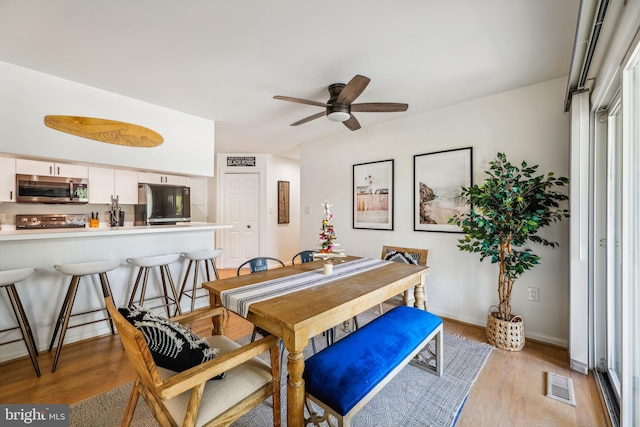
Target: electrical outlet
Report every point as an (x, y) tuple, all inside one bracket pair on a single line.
[(533, 294), (3, 217)]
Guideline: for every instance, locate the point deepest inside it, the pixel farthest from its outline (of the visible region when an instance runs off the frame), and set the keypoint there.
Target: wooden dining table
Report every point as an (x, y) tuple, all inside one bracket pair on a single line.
[(301, 315)]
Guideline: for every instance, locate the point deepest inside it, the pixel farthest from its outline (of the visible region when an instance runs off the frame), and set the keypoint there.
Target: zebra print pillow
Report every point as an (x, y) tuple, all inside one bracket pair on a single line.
[(172, 345), (406, 257)]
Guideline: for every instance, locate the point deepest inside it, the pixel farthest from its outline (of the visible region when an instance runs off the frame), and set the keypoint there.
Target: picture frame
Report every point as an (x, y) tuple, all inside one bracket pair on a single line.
[(283, 202), (438, 178), (373, 195)]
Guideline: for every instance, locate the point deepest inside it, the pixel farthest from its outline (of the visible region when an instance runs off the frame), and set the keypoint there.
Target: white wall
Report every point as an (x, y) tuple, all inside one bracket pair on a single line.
[(527, 124), (26, 96), (283, 239)]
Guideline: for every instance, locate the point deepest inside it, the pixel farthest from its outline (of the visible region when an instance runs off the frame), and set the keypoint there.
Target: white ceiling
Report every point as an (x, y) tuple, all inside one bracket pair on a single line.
[(225, 60)]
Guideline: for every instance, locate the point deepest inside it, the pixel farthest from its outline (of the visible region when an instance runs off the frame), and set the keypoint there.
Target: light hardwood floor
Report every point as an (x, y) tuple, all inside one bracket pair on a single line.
[(510, 390)]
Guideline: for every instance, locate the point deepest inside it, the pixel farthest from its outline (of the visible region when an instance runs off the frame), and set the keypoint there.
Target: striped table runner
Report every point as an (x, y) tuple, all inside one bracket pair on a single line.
[(238, 300)]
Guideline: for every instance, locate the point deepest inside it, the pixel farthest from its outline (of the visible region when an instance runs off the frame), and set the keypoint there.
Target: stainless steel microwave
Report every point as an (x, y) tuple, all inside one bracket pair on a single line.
[(162, 204), (51, 189)]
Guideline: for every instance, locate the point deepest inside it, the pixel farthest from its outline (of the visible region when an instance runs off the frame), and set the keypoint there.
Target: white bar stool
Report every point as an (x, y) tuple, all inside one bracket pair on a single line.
[(197, 257), (76, 271), (162, 262), (8, 279)]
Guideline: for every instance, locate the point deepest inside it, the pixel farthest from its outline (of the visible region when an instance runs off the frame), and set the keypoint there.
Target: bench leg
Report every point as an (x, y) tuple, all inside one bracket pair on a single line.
[(439, 353), (328, 416), (314, 417), (431, 360)]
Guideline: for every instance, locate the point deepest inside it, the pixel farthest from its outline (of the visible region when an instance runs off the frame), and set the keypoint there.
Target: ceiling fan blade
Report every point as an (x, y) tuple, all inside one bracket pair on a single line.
[(300, 101), (353, 89), (379, 107), (308, 119), (352, 123)]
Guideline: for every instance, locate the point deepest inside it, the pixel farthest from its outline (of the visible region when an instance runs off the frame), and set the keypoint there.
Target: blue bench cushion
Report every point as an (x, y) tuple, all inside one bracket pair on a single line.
[(342, 374)]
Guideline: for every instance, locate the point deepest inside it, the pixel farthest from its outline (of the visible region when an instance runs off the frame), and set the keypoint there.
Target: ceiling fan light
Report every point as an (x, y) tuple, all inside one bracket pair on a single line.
[(338, 116)]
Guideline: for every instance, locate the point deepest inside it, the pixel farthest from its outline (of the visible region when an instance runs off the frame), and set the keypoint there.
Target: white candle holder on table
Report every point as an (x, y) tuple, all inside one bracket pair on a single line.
[(327, 257)]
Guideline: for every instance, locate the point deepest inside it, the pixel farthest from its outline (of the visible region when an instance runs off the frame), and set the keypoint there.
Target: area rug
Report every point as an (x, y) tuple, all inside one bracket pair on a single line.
[(413, 398)]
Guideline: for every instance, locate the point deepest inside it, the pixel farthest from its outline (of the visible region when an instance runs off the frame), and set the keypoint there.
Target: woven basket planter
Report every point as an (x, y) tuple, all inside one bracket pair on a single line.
[(506, 335)]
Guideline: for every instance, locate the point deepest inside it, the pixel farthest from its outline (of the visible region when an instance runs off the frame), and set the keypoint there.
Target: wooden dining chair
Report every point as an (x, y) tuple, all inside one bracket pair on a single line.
[(198, 395), (407, 256)]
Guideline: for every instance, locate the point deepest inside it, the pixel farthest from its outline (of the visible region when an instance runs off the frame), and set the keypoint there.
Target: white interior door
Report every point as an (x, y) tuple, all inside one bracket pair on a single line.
[(242, 210)]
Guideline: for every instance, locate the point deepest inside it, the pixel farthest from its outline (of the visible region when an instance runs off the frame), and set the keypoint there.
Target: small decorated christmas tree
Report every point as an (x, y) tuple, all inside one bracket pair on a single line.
[(328, 234)]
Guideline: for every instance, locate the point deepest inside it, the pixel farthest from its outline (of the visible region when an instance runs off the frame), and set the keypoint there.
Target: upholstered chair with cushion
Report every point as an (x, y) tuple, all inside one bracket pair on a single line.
[(190, 381)]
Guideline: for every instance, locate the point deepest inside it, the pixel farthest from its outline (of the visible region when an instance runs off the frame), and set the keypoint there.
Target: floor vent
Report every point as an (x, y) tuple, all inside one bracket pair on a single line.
[(560, 388)]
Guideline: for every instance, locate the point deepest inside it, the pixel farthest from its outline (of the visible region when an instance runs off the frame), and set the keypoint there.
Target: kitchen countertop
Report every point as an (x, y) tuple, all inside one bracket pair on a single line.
[(103, 231)]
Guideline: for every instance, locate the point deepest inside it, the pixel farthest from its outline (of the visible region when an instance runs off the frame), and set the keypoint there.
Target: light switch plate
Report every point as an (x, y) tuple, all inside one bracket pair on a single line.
[(533, 294), (3, 217)]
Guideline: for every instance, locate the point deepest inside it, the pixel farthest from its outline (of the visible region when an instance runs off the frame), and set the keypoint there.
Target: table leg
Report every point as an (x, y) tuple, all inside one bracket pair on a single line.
[(419, 294), (217, 321), (295, 389)]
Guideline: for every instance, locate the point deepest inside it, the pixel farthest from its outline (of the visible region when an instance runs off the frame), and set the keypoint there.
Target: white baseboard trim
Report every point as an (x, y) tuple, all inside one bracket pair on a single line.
[(483, 323), (579, 366)]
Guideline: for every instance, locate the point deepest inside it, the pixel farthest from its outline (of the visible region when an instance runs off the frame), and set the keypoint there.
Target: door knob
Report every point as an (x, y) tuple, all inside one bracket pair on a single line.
[(248, 226)]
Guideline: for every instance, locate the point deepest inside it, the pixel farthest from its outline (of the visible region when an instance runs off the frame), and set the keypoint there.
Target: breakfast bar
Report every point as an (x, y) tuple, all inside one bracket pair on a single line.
[(43, 292)]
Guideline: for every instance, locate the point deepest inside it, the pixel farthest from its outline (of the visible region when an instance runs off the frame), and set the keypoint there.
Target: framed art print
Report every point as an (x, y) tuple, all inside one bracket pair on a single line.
[(283, 202), (373, 195), (437, 182)]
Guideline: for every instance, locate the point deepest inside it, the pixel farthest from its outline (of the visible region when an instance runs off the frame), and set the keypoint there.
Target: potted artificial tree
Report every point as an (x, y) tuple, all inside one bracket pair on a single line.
[(508, 210)]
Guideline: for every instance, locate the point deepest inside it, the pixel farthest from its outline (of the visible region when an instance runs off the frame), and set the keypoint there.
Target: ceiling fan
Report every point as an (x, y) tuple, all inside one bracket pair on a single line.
[(339, 106)]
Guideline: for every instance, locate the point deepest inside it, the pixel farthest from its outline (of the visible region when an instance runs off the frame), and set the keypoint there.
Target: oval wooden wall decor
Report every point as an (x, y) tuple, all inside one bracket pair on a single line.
[(104, 130)]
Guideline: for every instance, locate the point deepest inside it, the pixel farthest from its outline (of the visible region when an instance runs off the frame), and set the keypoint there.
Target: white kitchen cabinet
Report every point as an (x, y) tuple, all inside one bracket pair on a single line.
[(125, 185), (107, 182), (100, 185), (161, 178), (198, 188), (38, 167), (7, 179)]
